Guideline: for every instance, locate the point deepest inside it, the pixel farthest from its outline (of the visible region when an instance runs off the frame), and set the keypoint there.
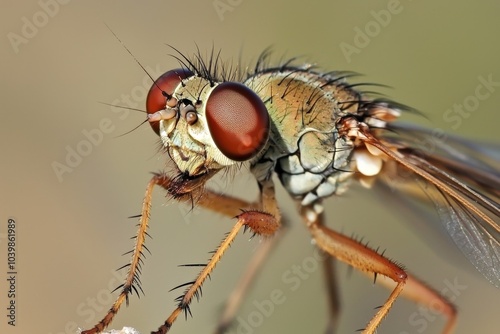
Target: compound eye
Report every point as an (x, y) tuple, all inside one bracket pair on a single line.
[(161, 92), (238, 120)]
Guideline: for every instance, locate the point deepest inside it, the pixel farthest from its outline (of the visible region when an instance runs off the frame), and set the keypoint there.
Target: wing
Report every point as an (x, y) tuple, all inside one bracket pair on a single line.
[(477, 164), (463, 187)]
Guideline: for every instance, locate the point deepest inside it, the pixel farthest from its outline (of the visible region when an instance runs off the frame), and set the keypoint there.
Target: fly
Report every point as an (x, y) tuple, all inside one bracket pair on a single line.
[(319, 134)]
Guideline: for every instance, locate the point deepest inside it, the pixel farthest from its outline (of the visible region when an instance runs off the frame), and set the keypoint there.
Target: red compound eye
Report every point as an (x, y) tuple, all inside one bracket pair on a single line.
[(238, 120), (162, 89)]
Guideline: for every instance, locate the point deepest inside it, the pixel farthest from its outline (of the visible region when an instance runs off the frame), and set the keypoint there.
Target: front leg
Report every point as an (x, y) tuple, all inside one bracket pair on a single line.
[(132, 282)]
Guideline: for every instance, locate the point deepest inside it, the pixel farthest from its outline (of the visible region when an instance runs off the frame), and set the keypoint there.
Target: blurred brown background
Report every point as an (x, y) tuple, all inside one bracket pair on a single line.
[(72, 230)]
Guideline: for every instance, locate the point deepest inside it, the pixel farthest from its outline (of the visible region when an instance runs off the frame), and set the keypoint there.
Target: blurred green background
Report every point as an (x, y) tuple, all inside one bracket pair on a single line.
[(72, 230)]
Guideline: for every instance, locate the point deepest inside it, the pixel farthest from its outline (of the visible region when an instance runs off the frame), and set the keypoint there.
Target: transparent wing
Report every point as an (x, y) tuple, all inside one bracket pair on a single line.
[(463, 187), (474, 162), (477, 239)]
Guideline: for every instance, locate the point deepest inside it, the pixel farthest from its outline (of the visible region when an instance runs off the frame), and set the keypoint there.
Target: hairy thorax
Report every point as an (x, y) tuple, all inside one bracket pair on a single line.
[(305, 149)]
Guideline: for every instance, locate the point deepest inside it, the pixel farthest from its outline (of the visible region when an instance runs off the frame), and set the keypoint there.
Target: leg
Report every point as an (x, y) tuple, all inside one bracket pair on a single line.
[(237, 295), (231, 207), (426, 296), (261, 223), (369, 261), (332, 288), (132, 280), (224, 204)]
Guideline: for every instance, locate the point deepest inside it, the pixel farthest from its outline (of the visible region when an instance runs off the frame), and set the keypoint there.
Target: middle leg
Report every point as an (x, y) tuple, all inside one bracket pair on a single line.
[(263, 221), (231, 207)]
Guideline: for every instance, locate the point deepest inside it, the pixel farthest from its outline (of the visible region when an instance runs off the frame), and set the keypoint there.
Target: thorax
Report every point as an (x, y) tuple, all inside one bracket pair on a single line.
[(305, 149)]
